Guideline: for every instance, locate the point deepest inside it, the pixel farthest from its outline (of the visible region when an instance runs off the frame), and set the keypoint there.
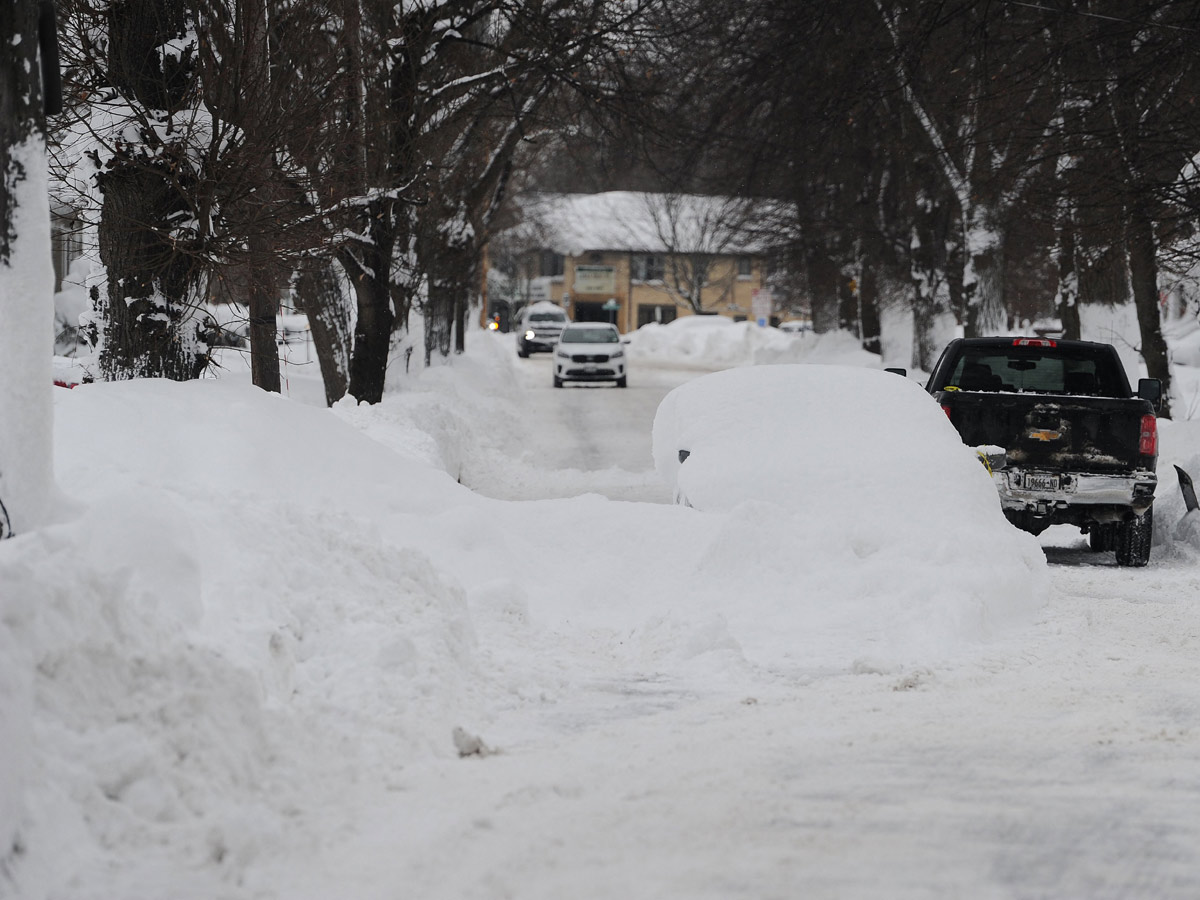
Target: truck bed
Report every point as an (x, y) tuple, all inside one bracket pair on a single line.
[(1084, 434)]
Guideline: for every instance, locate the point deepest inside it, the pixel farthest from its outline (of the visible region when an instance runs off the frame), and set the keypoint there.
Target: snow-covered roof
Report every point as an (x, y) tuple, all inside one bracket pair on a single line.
[(632, 221)]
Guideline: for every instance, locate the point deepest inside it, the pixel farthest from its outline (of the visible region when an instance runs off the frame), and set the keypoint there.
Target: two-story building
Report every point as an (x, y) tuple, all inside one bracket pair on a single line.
[(632, 258)]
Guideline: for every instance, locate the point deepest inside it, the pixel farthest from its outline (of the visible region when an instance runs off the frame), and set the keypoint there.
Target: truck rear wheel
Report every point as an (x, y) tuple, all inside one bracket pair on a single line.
[(1133, 540)]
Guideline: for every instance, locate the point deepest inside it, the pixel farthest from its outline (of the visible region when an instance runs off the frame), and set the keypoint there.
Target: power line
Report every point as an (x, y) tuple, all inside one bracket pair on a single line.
[(1093, 15)]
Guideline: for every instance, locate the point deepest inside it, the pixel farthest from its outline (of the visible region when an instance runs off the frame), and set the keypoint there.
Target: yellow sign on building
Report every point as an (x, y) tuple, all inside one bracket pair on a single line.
[(595, 280)]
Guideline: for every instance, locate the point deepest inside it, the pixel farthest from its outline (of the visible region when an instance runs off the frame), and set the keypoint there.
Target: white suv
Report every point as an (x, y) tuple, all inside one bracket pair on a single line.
[(590, 351)]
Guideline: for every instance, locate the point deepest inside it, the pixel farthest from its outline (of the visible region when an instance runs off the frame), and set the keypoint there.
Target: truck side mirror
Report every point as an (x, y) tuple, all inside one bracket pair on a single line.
[(1150, 389), (903, 373)]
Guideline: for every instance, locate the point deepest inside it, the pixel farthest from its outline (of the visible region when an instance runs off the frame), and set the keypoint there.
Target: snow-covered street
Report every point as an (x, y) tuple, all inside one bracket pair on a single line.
[(591, 436), (260, 656), (1062, 763)]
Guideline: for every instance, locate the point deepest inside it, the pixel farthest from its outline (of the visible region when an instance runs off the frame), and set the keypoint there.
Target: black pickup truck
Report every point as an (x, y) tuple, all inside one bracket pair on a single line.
[(1066, 439)]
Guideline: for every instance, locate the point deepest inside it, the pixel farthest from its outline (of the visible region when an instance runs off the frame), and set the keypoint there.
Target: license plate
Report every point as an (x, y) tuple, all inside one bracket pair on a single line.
[(589, 368), (1037, 481)]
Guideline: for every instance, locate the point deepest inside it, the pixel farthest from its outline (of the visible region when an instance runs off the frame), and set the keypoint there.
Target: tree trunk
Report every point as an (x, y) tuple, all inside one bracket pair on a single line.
[(823, 279), (439, 317), (372, 338), (986, 312), (847, 294), (252, 82), (320, 296), (1068, 280), (264, 307), (461, 306), (26, 298), (1143, 275), (370, 266), (926, 309), (868, 302)]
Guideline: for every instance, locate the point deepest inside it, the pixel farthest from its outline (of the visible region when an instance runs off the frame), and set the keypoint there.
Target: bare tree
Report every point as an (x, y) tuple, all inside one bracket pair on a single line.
[(699, 234)]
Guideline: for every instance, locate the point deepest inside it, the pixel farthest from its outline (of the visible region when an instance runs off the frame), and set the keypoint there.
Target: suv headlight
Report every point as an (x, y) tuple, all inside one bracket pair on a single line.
[(617, 354), (529, 335)]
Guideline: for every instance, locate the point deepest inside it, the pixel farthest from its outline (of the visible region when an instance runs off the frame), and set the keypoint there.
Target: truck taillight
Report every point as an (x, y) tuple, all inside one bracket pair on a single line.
[(1148, 443), (946, 410), (1034, 342)]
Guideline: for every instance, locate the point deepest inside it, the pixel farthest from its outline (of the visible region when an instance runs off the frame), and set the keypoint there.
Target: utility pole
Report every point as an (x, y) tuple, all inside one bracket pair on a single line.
[(29, 88)]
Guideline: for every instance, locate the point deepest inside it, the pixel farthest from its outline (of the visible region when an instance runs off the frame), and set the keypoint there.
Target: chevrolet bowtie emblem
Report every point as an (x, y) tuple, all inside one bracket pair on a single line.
[(1045, 435)]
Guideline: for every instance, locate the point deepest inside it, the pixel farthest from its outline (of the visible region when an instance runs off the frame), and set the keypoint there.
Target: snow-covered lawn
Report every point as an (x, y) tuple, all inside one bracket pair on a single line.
[(246, 659)]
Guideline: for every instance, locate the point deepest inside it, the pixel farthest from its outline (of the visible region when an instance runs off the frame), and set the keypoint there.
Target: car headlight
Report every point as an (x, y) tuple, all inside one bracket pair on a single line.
[(563, 353), (617, 355), (529, 335)]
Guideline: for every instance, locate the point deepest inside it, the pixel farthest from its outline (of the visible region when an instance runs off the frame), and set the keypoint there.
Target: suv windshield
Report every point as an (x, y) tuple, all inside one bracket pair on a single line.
[(547, 317), (589, 336)]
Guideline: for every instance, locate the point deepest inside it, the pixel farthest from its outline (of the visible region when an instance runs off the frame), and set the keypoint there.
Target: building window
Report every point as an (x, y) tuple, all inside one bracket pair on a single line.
[(551, 264), (647, 313), (648, 267), (66, 244), (744, 268)]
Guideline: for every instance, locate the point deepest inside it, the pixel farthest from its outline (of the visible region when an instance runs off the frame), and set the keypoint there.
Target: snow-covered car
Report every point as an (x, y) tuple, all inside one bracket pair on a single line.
[(590, 351), (539, 327), (840, 442), (786, 433), (292, 329), (867, 490), (795, 326)]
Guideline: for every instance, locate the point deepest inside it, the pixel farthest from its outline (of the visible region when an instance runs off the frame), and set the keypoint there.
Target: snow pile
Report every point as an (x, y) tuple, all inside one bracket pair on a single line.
[(454, 417), (892, 525), (1176, 532), (718, 342), (217, 623)]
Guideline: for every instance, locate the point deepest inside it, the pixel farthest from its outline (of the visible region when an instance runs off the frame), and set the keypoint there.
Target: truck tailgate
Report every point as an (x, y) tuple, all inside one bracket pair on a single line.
[(1097, 435)]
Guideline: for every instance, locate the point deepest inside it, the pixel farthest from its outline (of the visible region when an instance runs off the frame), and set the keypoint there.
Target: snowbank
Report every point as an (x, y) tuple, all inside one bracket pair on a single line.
[(718, 342), (217, 621), (892, 525)]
